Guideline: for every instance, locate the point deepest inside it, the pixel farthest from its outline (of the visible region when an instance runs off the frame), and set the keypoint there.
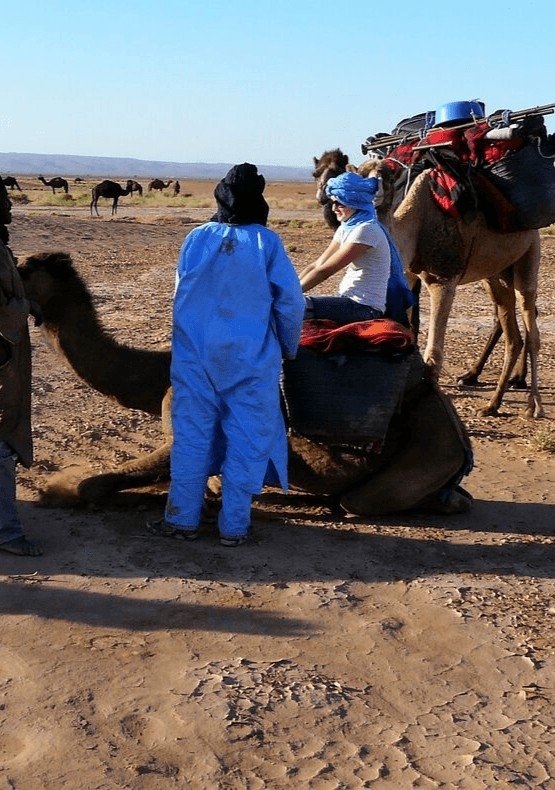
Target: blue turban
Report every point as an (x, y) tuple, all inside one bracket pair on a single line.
[(354, 191)]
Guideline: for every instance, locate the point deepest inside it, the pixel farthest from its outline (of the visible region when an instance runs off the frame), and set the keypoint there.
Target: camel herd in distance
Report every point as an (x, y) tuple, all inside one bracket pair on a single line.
[(108, 189)]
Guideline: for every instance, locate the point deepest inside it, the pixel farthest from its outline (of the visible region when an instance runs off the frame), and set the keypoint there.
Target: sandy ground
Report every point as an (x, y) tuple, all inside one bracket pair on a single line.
[(332, 652)]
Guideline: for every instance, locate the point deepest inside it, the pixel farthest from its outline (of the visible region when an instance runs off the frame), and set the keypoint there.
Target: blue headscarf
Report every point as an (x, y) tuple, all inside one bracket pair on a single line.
[(357, 192)]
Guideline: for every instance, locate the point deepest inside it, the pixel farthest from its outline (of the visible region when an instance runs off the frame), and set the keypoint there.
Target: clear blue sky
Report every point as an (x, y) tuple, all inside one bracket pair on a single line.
[(271, 82)]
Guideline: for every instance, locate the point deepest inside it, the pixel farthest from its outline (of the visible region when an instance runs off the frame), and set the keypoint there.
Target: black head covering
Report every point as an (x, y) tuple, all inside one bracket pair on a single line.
[(239, 197), (5, 213)]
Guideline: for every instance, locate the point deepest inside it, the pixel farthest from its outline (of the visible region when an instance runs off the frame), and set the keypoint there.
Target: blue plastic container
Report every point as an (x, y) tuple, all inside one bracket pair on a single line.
[(458, 112)]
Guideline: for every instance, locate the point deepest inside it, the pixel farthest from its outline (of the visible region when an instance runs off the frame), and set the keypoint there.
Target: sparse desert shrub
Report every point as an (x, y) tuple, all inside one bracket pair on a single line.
[(19, 197), (59, 199), (550, 231), (292, 204), (544, 439)]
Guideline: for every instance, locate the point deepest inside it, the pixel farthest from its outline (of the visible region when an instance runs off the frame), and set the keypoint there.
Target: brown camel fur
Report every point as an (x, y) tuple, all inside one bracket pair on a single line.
[(157, 183), (425, 449), (11, 182), (444, 252), (136, 187), (109, 189), (55, 183)]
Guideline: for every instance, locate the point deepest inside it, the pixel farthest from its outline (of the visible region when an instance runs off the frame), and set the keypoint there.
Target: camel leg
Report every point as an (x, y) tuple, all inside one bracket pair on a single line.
[(526, 284), (518, 379), (471, 377), (442, 295), (147, 469), (502, 294)]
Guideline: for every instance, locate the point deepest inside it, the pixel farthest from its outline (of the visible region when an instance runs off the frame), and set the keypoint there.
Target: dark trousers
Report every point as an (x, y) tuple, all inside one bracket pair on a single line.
[(340, 309)]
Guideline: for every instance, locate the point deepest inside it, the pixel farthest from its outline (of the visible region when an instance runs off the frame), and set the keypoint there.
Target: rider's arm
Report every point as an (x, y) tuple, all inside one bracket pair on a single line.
[(331, 261)]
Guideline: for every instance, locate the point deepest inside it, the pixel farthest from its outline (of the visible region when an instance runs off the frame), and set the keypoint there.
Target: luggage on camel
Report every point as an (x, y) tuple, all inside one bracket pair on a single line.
[(503, 164)]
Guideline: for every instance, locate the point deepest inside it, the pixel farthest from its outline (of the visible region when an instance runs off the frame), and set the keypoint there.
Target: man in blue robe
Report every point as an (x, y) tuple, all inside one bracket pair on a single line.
[(238, 309)]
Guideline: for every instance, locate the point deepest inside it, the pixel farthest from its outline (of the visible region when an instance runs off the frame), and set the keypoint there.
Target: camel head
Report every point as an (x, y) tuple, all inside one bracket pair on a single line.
[(330, 164), (50, 280)]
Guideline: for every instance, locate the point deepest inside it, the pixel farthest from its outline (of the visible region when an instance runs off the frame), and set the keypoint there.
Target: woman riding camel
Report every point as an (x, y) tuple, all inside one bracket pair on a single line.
[(373, 284)]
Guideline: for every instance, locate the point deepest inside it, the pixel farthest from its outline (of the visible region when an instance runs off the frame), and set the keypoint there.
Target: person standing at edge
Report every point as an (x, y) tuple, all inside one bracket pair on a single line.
[(15, 388), (238, 309), (373, 284)]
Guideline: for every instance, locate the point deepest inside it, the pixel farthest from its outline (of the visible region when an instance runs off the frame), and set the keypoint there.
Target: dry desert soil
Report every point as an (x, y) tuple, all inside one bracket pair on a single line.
[(333, 651)]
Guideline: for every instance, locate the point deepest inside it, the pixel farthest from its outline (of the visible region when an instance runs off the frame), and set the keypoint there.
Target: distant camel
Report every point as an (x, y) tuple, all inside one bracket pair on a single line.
[(136, 187), (10, 182), (79, 180), (159, 184), (55, 183), (176, 188), (109, 189)]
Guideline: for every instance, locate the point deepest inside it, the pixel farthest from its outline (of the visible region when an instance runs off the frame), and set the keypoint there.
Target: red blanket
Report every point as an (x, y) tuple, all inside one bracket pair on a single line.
[(381, 333)]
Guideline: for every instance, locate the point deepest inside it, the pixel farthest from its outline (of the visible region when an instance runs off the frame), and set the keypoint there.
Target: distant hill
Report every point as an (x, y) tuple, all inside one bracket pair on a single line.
[(68, 165)]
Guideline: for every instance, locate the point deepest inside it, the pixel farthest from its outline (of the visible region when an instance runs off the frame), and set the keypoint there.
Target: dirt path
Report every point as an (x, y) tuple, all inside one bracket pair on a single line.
[(334, 652)]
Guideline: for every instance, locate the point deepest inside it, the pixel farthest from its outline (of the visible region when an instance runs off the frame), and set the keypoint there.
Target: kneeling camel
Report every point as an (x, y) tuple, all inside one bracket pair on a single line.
[(425, 450)]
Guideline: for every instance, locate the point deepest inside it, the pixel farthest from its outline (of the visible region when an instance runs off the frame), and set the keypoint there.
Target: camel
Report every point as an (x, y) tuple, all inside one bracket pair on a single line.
[(55, 183), (136, 187), (11, 182), (78, 180), (425, 453), (443, 252), (158, 184), (109, 189)]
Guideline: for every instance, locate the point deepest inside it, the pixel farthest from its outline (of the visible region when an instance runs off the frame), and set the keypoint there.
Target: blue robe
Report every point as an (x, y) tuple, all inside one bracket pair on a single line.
[(238, 310)]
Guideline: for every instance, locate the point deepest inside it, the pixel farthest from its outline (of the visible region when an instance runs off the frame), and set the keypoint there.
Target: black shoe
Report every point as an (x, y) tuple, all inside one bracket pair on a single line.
[(232, 542), (162, 529)]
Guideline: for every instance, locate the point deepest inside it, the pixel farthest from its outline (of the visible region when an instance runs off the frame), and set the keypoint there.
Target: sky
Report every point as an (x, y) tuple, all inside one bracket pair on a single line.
[(265, 81)]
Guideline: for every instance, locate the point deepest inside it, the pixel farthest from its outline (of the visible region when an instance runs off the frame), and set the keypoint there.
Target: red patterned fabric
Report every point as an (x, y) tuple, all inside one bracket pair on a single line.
[(381, 333)]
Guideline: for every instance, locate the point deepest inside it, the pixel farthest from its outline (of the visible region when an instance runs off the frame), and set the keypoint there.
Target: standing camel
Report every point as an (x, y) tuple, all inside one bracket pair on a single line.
[(444, 252), (109, 189), (55, 183), (158, 184), (10, 181), (136, 187)]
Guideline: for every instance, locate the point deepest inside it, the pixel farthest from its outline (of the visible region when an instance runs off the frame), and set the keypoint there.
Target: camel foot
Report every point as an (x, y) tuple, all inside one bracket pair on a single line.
[(62, 488), (534, 412), (455, 500), (488, 411), (97, 489), (517, 383), (468, 380)]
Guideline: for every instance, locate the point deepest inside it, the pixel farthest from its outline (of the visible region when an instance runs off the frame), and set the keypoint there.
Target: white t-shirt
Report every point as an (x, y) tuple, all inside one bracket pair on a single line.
[(365, 280)]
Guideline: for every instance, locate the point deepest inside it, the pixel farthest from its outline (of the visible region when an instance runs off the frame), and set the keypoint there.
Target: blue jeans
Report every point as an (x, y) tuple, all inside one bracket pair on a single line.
[(10, 524), (340, 309)]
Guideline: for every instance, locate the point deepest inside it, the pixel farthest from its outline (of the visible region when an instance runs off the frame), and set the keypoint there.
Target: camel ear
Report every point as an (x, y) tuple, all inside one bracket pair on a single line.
[(315, 161)]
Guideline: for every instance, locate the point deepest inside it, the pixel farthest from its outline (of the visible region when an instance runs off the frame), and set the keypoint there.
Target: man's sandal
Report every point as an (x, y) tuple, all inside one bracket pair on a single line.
[(161, 529)]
